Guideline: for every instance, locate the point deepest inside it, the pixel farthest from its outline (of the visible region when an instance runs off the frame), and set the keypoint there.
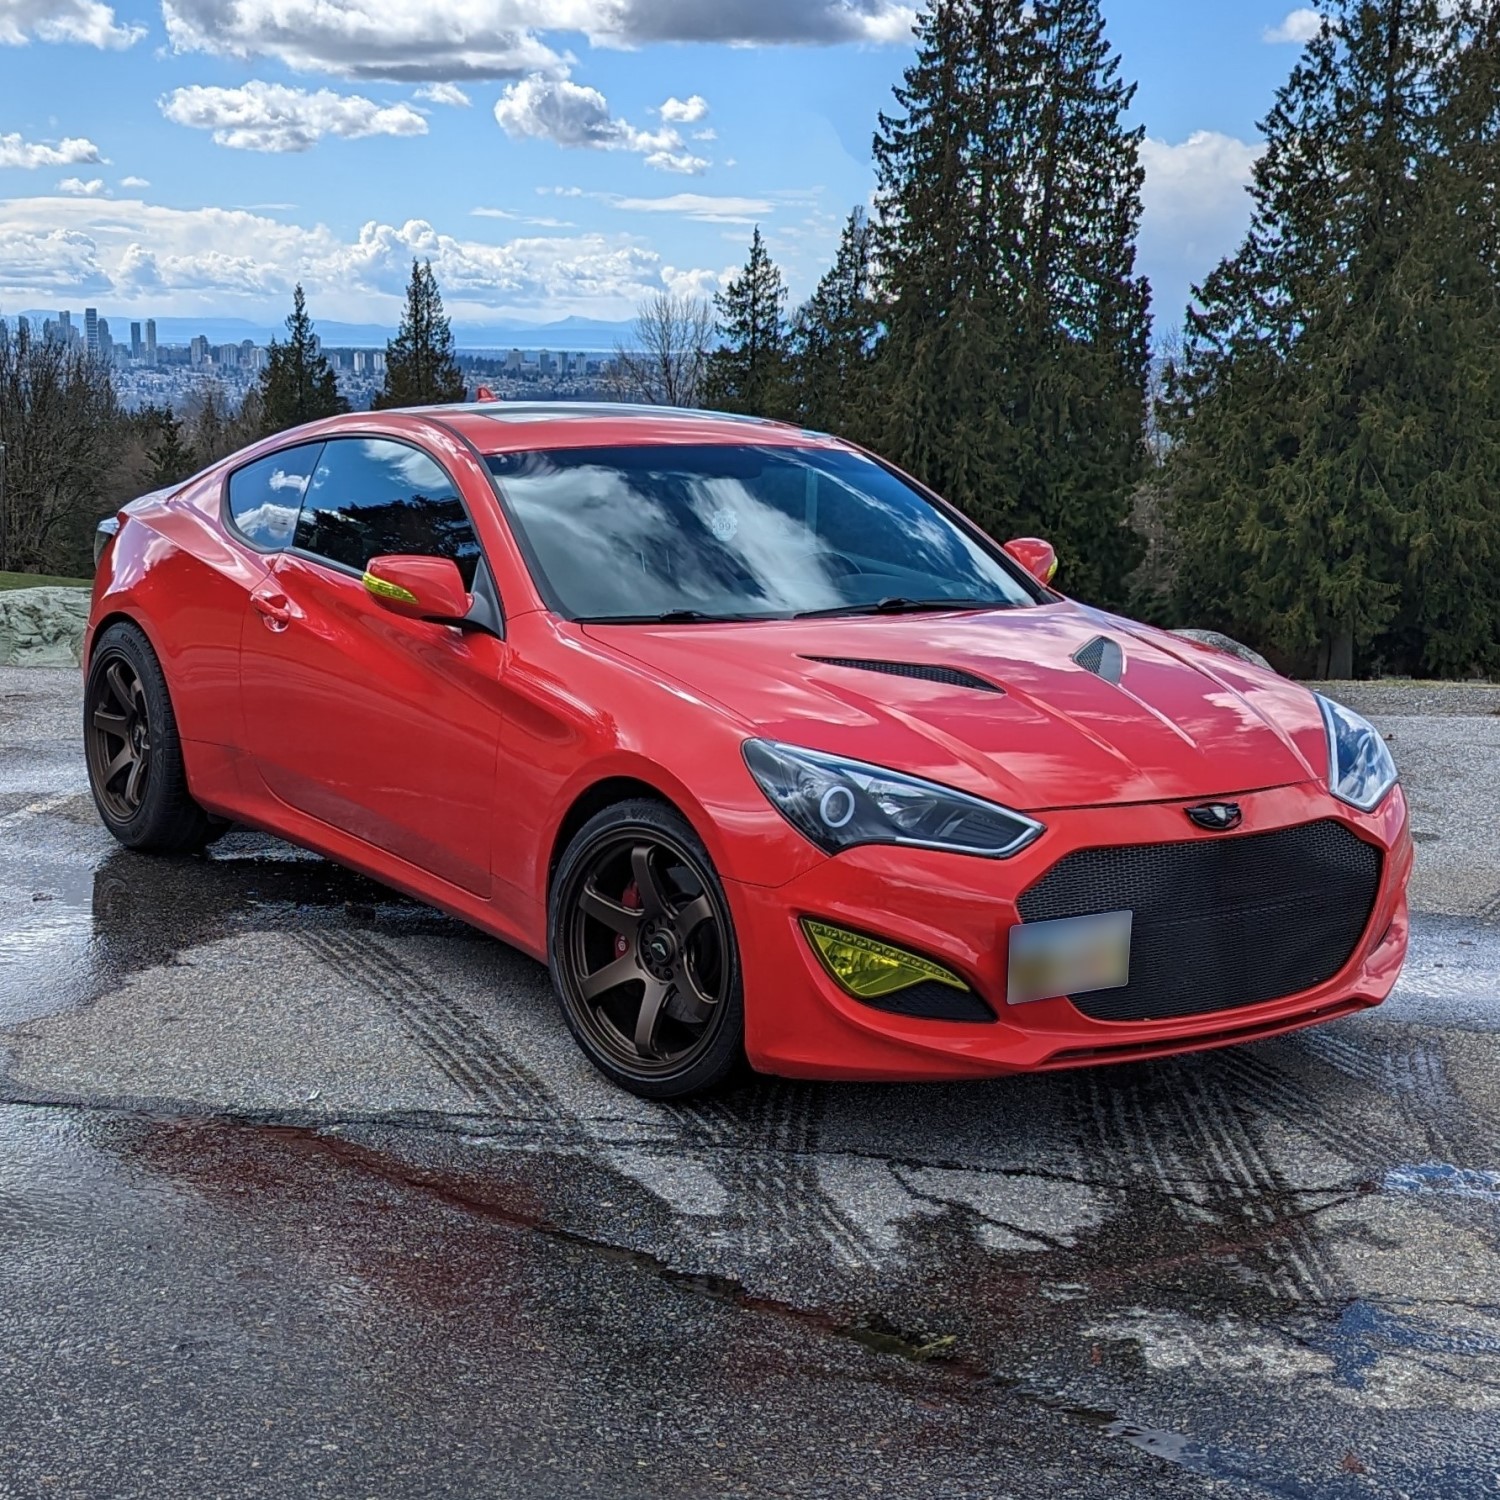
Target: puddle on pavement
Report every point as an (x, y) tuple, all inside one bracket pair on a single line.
[(85, 931)]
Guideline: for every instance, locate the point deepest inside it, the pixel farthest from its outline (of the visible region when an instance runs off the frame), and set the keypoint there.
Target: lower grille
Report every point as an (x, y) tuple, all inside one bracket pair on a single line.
[(1219, 922)]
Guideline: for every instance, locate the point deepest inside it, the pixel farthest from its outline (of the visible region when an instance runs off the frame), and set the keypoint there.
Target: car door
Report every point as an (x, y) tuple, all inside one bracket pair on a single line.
[(382, 727)]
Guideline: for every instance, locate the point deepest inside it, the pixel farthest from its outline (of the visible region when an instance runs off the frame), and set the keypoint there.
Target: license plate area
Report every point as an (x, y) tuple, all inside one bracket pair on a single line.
[(1068, 956)]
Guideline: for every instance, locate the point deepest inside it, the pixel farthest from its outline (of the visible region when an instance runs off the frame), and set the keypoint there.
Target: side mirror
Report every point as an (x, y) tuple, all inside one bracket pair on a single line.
[(421, 588), (1035, 555)]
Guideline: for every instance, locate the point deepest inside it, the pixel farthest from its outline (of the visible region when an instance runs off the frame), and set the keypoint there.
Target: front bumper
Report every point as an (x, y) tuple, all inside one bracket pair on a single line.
[(958, 910)]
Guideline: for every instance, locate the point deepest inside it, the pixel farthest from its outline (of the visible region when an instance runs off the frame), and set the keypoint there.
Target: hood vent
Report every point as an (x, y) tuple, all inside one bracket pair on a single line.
[(952, 676), (1103, 657)]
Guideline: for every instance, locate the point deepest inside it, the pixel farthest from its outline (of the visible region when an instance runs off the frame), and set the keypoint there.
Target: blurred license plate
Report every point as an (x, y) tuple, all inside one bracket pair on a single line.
[(1069, 956)]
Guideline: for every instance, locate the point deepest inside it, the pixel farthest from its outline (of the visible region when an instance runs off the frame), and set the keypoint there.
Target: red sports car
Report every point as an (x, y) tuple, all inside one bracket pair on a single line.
[(767, 751)]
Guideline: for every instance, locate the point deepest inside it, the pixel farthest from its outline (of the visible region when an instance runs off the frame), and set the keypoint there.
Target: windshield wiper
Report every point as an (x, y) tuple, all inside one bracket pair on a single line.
[(899, 604), (666, 617)]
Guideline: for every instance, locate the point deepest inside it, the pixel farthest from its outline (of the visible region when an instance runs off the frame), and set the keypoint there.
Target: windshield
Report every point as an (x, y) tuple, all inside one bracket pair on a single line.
[(738, 532)]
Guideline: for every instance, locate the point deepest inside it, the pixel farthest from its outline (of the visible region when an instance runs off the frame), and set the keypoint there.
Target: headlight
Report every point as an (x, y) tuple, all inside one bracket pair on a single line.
[(841, 803), (1360, 768)]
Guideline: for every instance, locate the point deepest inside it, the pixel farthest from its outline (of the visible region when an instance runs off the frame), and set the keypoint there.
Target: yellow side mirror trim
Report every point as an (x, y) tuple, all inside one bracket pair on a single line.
[(383, 589)]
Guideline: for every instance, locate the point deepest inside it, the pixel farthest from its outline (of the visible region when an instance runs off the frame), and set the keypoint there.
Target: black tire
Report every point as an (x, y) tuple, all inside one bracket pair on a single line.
[(133, 750), (680, 987)]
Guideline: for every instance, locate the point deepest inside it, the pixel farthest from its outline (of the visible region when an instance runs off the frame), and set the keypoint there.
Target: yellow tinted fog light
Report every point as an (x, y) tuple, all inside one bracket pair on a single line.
[(871, 969)]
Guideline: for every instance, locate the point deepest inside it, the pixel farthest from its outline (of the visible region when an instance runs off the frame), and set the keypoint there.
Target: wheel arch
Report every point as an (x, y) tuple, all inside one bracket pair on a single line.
[(118, 617), (593, 799)]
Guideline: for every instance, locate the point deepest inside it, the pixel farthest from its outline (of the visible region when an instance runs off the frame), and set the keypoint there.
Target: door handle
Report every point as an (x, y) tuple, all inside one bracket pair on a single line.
[(274, 609)]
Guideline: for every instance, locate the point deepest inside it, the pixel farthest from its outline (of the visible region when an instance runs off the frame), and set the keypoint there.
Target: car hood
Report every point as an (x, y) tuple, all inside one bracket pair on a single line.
[(1183, 720)]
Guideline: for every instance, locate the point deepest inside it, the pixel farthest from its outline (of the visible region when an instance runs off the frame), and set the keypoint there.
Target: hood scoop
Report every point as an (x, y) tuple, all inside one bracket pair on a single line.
[(926, 671), (1103, 657)]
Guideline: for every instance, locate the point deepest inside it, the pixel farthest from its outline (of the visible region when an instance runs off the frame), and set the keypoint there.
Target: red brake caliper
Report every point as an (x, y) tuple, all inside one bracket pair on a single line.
[(631, 901)]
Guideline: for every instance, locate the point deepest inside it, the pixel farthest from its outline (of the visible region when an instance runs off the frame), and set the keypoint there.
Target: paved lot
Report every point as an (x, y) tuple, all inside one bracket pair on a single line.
[(304, 1190)]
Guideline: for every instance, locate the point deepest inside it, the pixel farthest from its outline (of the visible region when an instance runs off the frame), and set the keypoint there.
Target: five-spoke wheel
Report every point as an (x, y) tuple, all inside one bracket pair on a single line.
[(133, 751), (643, 952), (118, 736)]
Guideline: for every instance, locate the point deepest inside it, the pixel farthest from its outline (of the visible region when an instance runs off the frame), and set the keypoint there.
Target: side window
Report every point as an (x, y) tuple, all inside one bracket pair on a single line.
[(370, 496), (264, 497)]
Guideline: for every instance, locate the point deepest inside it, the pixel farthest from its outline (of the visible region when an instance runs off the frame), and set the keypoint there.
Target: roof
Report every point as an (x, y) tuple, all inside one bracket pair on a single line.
[(510, 426)]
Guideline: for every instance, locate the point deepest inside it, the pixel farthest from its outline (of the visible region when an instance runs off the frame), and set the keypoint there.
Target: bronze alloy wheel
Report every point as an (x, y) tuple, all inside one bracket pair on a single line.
[(642, 951), (119, 737)]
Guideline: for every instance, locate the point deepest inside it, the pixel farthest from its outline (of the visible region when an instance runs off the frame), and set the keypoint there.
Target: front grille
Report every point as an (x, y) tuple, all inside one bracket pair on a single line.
[(1219, 921)]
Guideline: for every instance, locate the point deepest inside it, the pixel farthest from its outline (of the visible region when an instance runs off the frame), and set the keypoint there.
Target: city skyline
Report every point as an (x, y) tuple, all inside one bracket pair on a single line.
[(190, 157)]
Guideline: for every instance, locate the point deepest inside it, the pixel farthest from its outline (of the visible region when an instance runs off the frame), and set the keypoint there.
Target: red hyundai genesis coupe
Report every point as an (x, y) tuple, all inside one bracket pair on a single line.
[(767, 751)]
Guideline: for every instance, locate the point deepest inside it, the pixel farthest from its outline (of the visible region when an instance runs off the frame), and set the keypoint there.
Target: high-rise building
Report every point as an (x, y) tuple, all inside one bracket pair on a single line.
[(135, 341), (150, 341), (103, 344), (90, 328), (198, 350)]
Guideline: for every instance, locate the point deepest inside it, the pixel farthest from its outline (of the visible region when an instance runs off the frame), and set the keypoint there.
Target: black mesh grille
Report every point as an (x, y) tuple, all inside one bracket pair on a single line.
[(953, 676), (1103, 657), (935, 1002), (1219, 921)]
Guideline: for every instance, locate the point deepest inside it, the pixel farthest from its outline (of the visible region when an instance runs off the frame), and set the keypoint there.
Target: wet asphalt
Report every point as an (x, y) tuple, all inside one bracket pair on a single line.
[(304, 1190)]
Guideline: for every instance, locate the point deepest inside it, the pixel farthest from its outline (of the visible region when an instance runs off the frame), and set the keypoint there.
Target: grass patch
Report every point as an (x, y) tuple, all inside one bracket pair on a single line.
[(42, 580)]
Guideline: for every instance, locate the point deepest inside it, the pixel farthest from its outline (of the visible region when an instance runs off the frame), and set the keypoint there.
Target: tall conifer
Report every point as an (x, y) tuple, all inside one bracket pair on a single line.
[(832, 339), (1013, 373), (421, 368), (748, 371), (1335, 419), (298, 384)]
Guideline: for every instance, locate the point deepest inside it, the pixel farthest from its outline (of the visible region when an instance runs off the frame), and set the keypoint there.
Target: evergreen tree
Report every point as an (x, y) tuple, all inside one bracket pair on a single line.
[(833, 336), (748, 371), (420, 366), (1013, 373), (1336, 413), (170, 458), (298, 384)]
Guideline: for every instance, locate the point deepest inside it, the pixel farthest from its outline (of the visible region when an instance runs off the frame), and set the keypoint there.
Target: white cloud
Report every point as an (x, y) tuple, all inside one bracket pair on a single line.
[(134, 182), (708, 134), (1300, 26), (78, 188), (73, 152), (695, 283), (272, 117), (444, 93), (85, 21), (505, 213), (684, 111), (37, 259), (575, 115), (1196, 210), (417, 40), (706, 208), (212, 259)]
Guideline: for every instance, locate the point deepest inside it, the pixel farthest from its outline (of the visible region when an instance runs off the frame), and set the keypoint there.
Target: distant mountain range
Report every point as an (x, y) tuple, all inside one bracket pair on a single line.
[(576, 335)]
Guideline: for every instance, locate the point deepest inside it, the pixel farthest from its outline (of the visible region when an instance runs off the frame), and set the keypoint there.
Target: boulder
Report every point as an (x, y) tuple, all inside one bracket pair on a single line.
[(42, 627), (1221, 642)]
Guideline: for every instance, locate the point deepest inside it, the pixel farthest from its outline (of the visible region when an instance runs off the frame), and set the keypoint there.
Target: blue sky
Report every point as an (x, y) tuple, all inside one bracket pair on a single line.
[(553, 157)]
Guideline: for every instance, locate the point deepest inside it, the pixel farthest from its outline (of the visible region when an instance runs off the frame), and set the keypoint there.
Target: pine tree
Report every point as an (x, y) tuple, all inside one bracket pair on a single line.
[(1078, 378), (748, 371), (940, 220), (1013, 373), (171, 459), (832, 339), (1336, 414), (298, 384), (420, 366)]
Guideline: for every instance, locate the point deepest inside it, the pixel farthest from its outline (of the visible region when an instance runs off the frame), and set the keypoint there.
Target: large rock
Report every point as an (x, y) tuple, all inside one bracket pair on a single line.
[(1227, 643), (42, 627)]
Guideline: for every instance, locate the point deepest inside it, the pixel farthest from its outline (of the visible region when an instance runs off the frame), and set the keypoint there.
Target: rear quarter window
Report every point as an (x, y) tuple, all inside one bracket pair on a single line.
[(265, 498)]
